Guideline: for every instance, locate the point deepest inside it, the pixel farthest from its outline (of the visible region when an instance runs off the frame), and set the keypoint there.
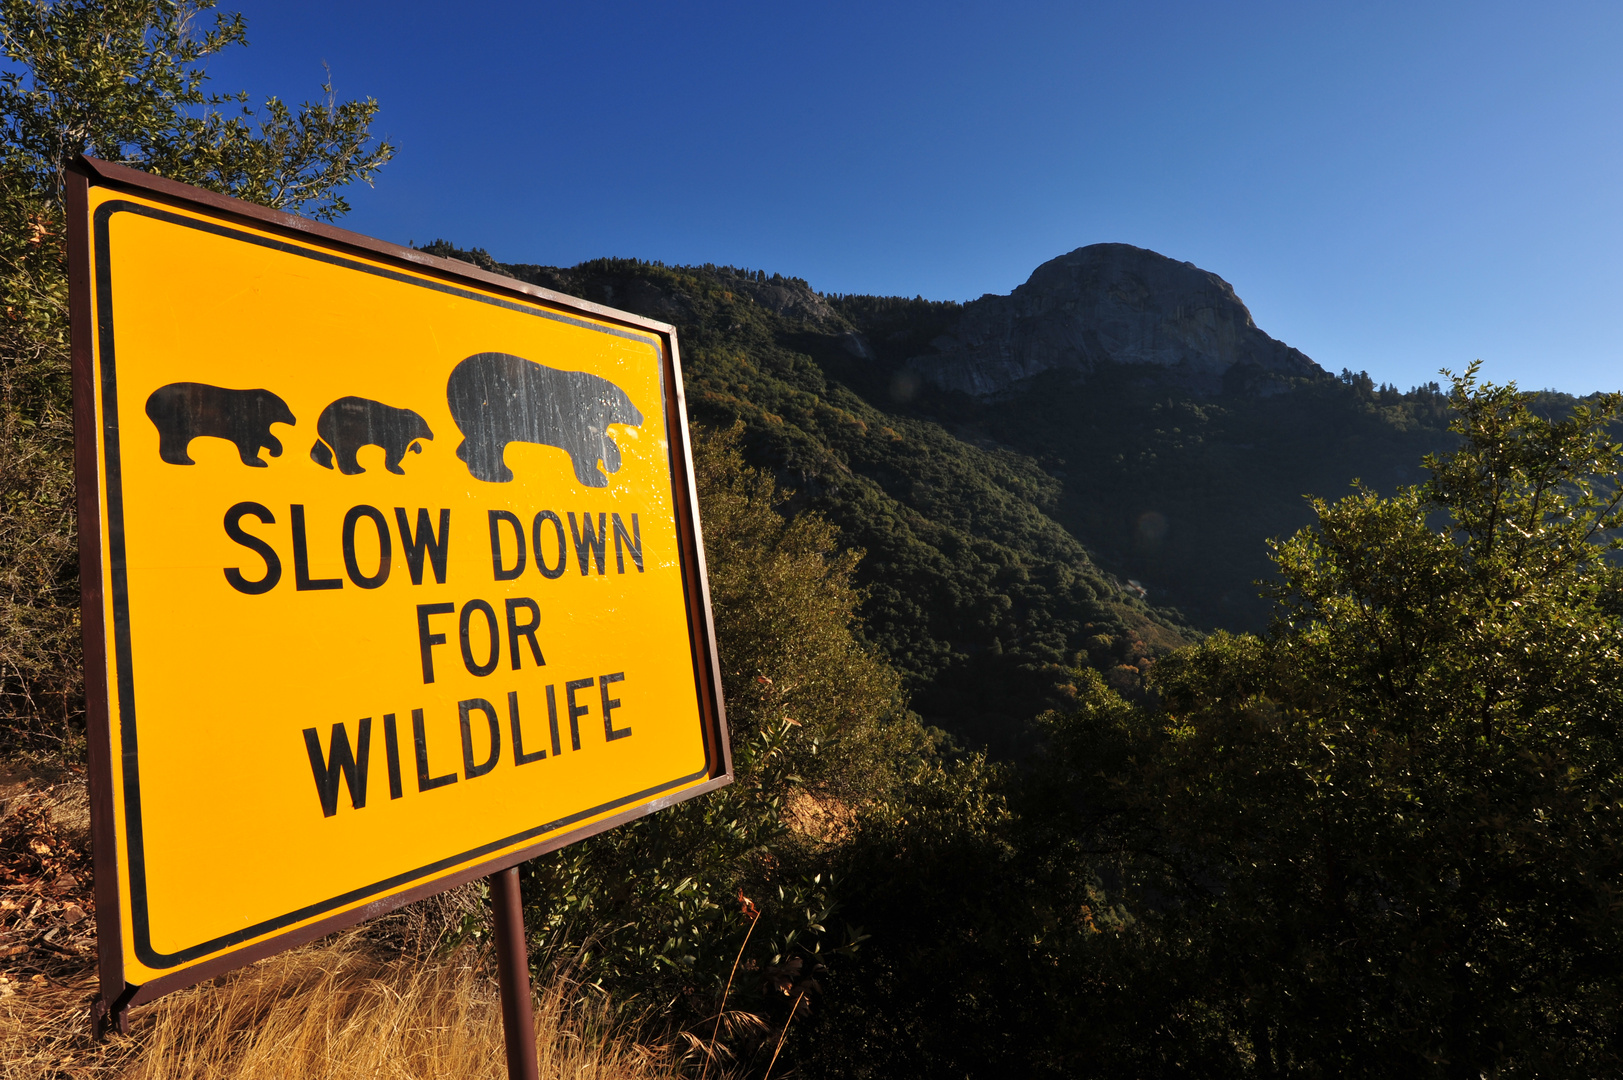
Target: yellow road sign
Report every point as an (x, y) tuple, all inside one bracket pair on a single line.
[(398, 577)]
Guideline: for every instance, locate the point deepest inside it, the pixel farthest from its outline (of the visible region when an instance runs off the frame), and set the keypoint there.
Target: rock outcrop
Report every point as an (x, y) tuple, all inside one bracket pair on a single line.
[(790, 297), (1112, 303)]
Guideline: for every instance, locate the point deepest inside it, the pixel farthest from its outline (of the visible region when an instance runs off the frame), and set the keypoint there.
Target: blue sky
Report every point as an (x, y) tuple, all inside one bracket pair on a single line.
[(1389, 187)]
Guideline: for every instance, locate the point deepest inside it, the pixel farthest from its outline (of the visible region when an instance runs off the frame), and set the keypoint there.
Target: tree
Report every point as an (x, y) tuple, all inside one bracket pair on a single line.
[(1398, 816), (659, 910), (122, 80)]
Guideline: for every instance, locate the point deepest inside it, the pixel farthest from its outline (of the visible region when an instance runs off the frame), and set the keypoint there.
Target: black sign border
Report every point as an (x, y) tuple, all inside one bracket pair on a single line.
[(273, 935)]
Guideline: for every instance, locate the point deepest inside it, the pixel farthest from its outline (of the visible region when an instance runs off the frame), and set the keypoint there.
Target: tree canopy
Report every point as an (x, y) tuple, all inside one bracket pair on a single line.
[(124, 80), (1393, 824)]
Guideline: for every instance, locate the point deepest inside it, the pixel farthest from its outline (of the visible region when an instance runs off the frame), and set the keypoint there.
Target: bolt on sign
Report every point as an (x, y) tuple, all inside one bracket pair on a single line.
[(392, 575)]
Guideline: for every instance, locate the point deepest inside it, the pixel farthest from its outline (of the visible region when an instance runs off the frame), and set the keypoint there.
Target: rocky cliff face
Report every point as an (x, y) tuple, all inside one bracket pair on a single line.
[(1112, 303)]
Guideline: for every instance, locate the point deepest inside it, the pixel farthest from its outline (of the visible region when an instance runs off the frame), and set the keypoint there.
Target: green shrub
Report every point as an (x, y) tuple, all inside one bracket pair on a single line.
[(659, 910)]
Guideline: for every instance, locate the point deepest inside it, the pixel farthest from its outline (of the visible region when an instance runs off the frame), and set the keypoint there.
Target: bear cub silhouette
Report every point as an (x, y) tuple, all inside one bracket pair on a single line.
[(353, 422), (186, 411), (498, 398)]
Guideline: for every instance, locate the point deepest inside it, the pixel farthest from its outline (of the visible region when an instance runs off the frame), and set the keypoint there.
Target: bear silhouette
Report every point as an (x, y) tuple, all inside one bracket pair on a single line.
[(186, 411), (497, 398), (353, 422)]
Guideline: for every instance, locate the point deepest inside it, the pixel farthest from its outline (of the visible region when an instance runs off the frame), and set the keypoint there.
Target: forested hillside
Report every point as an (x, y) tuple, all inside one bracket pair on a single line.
[(1090, 517), (975, 591)]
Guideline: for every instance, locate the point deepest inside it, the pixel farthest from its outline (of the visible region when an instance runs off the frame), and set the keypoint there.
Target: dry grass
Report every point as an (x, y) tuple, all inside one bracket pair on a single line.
[(329, 1010), (383, 1001)]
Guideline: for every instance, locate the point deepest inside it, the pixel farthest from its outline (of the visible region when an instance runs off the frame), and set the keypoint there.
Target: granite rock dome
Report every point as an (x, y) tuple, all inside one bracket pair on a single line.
[(1111, 303)]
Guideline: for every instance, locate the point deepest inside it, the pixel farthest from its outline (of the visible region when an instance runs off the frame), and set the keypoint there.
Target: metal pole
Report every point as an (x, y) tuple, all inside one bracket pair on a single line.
[(513, 970)]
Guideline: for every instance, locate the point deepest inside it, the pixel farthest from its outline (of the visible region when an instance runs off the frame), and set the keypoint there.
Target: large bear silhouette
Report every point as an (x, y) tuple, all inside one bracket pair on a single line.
[(353, 422), (498, 398), (186, 411)]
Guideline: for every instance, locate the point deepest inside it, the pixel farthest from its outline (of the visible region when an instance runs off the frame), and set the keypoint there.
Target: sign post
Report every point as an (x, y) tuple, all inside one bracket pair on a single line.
[(392, 579), (513, 973)]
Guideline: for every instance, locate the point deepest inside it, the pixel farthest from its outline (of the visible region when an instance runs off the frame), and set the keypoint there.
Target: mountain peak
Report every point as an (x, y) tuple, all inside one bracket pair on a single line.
[(1110, 304)]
